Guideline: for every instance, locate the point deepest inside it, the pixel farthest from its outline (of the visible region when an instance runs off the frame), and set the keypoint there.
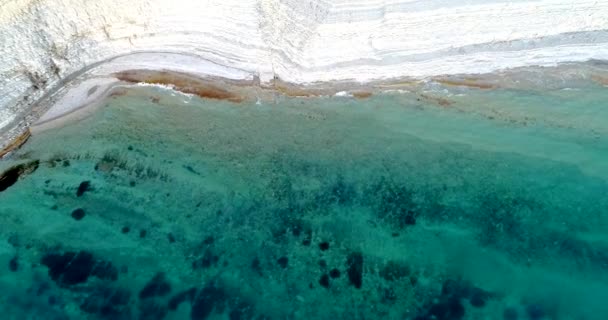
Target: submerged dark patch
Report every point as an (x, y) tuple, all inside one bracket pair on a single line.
[(157, 287), (304, 211), (73, 268), (283, 261), (152, 310), (108, 303), (354, 267), (78, 214), (13, 174), (83, 187), (207, 300), (13, 264), (324, 281), (179, 298)]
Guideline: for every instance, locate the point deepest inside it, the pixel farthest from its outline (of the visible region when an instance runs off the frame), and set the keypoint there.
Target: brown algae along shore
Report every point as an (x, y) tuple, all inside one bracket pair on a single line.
[(81, 93)]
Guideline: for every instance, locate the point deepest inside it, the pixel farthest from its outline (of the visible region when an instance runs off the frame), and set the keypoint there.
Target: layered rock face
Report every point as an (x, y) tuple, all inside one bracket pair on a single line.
[(45, 42)]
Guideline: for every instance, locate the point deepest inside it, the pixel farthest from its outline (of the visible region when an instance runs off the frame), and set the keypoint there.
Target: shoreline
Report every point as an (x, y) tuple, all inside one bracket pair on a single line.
[(80, 96)]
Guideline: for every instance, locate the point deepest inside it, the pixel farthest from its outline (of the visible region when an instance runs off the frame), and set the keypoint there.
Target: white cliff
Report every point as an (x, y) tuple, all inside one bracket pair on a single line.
[(43, 43)]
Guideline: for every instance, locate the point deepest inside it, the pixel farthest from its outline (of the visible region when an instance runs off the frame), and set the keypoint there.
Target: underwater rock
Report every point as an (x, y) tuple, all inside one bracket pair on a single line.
[(9, 177), (535, 312), (450, 309), (322, 264), (354, 264), (478, 297), (78, 214), (283, 261), (396, 204), (13, 264), (324, 281), (209, 240), (105, 270), (171, 238), (181, 297), (71, 268), (342, 192), (208, 299), (108, 302), (510, 314), (306, 241), (394, 270), (463, 290), (152, 310), (449, 305), (334, 273), (157, 287), (242, 310), (256, 265), (324, 245), (388, 295), (208, 259), (83, 187)]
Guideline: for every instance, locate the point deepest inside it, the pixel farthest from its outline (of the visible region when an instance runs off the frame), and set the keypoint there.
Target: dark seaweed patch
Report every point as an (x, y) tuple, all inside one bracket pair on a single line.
[(323, 264), (388, 295), (13, 174), (13, 264), (324, 281), (209, 240), (478, 297), (283, 261), (449, 306), (83, 187), (334, 273), (393, 270), (535, 312), (69, 268), (157, 287), (449, 309), (208, 259), (354, 265), (510, 313), (171, 238), (241, 311), (108, 302), (324, 246), (256, 265), (72, 268), (78, 214), (181, 297), (395, 204), (152, 310), (105, 270), (208, 299), (191, 169)]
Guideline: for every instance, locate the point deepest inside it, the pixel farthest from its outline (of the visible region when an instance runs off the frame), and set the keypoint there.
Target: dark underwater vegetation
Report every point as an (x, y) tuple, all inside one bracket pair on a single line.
[(325, 208)]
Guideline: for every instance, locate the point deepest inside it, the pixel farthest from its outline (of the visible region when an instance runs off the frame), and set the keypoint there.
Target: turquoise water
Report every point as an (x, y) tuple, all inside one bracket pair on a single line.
[(494, 207)]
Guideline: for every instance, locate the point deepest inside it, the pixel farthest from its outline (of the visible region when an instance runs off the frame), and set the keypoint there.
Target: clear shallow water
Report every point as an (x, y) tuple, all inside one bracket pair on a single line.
[(494, 207)]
